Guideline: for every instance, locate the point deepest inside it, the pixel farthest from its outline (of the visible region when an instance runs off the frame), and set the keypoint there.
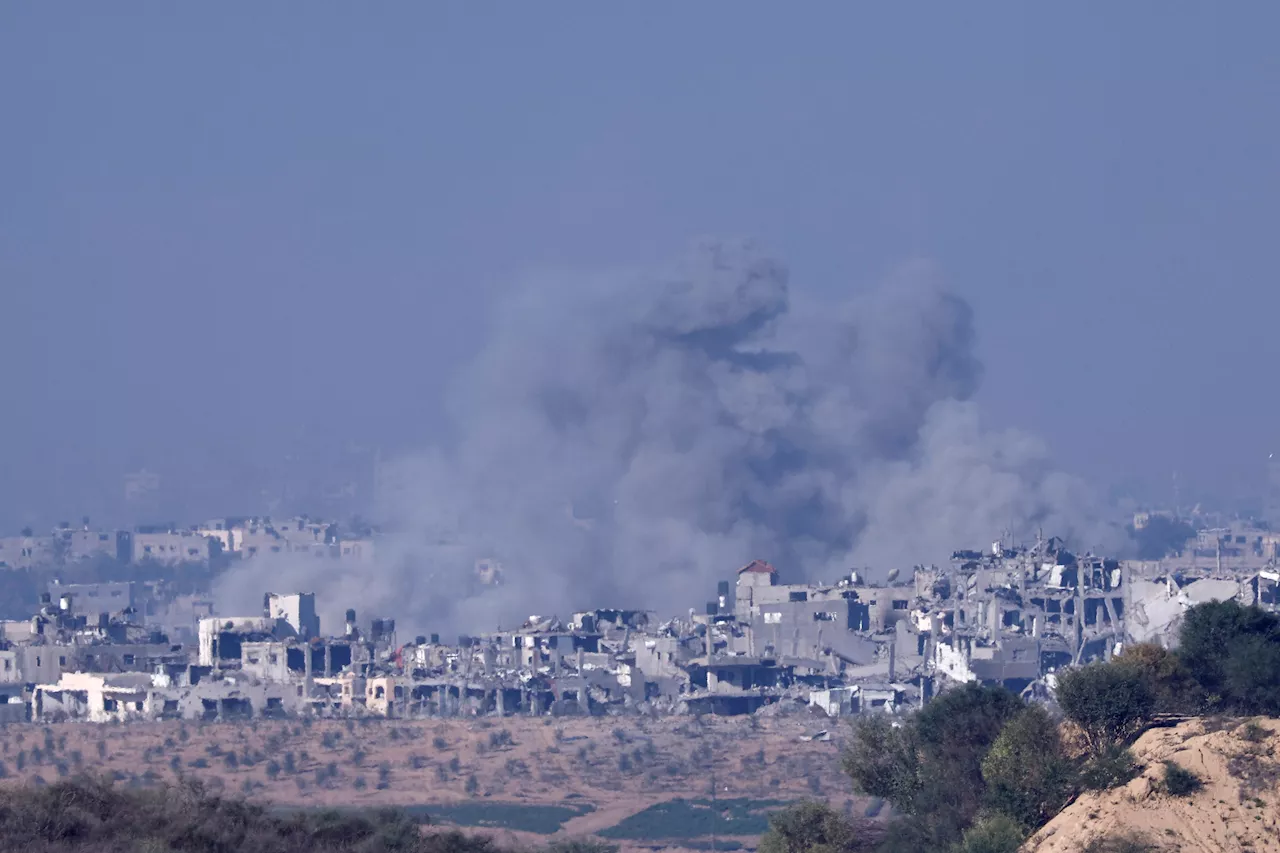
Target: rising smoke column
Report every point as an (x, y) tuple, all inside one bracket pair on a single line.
[(630, 439)]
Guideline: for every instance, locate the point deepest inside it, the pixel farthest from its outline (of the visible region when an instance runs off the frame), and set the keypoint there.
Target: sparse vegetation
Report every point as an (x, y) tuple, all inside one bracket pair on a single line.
[(87, 815), (1124, 842), (1111, 769), (1179, 781), (811, 827)]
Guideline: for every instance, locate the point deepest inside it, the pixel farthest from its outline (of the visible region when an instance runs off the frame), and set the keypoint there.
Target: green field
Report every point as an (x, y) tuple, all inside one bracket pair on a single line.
[(544, 820), (696, 819)]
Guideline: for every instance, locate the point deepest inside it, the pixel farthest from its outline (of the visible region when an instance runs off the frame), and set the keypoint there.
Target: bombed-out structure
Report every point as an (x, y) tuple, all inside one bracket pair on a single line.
[(1009, 615)]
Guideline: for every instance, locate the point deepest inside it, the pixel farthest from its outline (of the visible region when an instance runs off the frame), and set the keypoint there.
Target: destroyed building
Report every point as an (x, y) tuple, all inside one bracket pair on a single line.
[(1009, 615)]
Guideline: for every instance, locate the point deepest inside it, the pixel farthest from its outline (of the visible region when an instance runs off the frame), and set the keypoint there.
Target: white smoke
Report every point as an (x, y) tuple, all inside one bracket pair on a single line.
[(628, 440)]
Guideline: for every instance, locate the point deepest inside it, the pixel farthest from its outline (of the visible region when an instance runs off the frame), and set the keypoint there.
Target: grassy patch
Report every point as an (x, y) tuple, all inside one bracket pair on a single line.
[(543, 820), (696, 819), (1109, 770)]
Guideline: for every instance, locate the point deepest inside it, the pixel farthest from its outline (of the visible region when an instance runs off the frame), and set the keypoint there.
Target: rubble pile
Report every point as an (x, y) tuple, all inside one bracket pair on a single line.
[(1009, 615)]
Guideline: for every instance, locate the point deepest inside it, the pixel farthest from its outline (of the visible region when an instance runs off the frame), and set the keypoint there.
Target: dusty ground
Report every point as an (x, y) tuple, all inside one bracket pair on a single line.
[(1235, 810), (619, 766)]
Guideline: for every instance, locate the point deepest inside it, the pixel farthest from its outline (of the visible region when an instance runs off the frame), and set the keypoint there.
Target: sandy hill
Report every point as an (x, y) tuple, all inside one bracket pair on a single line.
[(1234, 810)]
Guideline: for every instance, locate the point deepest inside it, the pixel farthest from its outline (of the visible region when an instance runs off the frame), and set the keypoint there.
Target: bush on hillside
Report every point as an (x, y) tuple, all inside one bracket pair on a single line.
[(1113, 768), (1179, 781), (1172, 687), (994, 834), (1110, 702), (882, 759), (930, 766), (1232, 651), (811, 827), (1027, 776)]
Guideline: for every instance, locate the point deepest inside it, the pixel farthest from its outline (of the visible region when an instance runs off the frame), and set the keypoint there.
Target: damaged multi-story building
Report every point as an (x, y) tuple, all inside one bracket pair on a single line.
[(1009, 615)]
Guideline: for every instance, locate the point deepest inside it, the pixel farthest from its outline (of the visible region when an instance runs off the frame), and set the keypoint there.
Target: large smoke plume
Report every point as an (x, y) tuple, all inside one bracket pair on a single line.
[(628, 440)]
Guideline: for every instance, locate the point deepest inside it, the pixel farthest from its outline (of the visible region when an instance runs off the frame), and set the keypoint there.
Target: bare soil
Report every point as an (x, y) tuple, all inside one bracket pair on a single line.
[(1237, 807), (613, 766)]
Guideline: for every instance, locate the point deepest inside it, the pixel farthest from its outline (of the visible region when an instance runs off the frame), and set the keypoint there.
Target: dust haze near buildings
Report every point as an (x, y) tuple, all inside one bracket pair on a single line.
[(629, 439)]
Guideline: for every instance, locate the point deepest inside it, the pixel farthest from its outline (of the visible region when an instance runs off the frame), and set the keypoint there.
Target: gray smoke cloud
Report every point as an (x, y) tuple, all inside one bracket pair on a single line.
[(629, 439)]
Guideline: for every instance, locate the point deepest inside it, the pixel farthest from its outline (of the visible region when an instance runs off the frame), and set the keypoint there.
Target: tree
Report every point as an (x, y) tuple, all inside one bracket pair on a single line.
[(954, 733), (930, 767), (1249, 675), (1212, 635), (882, 761), (1173, 689), (1027, 777), (995, 834), (810, 827), (1110, 702)]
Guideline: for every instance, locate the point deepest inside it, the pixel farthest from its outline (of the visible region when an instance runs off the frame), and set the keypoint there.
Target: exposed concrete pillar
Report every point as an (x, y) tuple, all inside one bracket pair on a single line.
[(500, 701), (306, 669)]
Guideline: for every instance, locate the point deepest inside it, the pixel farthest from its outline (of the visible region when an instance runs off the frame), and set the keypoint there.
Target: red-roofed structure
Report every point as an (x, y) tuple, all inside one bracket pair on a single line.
[(758, 567)]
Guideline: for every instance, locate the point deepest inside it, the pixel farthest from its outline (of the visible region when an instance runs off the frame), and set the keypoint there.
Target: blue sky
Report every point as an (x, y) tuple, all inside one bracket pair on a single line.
[(227, 233)]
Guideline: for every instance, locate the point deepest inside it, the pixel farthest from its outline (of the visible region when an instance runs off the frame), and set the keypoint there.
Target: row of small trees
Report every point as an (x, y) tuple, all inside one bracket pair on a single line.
[(977, 770)]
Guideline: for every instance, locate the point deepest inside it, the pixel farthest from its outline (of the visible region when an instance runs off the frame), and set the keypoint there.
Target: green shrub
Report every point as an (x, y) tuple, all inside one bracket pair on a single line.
[(1027, 777), (811, 827), (1179, 781), (1253, 733), (1233, 651), (1110, 702), (1113, 768), (995, 834)]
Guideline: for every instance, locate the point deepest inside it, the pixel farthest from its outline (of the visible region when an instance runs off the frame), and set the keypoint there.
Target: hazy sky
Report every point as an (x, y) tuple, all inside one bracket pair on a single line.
[(233, 233)]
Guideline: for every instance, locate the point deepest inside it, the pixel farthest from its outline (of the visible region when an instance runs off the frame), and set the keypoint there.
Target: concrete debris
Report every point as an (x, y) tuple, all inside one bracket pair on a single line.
[(1010, 615)]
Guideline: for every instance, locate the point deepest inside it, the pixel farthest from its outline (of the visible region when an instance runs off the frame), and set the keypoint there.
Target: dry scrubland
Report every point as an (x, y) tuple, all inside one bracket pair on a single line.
[(605, 769), (1234, 806)]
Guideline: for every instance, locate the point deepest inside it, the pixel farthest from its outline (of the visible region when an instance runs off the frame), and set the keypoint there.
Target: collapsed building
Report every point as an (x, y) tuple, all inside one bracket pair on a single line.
[(1009, 615)]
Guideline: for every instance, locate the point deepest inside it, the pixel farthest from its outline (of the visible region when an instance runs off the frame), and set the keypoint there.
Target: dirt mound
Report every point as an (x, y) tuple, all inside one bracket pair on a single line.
[(1232, 807)]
